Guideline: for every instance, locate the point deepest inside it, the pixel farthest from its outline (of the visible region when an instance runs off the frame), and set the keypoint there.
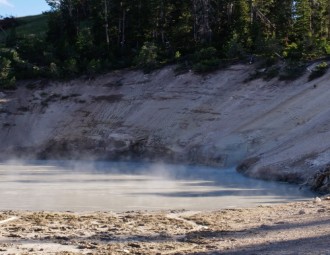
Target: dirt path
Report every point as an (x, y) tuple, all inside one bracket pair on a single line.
[(296, 228)]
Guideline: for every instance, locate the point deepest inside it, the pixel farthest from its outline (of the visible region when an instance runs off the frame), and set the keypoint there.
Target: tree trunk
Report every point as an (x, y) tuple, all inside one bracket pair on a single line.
[(123, 28), (106, 24)]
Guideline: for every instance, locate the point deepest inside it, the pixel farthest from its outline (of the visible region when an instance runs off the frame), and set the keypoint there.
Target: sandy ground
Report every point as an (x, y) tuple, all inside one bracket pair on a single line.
[(294, 228)]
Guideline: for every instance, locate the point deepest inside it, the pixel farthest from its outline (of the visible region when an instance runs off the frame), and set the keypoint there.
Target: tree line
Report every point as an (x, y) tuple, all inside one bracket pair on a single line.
[(91, 36)]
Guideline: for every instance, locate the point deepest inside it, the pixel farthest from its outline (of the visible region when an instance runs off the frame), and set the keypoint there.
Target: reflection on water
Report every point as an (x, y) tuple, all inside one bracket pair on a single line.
[(119, 186)]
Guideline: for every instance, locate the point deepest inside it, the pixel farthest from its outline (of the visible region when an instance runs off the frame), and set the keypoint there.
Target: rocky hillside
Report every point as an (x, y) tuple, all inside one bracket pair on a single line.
[(274, 130)]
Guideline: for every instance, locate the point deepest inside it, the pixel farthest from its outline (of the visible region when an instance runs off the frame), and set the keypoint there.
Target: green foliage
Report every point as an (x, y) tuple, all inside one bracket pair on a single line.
[(84, 44), (11, 38), (32, 48), (147, 57), (292, 70), (303, 13), (270, 48), (94, 66), (314, 48), (292, 51), (206, 66), (7, 79), (205, 54), (206, 60), (32, 25), (234, 49), (282, 17), (326, 47), (53, 70), (308, 49), (78, 37), (10, 64), (21, 69), (70, 68), (177, 55), (319, 71)]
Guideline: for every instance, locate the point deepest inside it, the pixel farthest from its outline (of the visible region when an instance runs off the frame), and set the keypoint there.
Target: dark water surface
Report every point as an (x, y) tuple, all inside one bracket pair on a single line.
[(122, 186)]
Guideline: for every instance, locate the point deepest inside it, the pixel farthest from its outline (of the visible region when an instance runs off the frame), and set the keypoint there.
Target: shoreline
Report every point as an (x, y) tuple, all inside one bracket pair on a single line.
[(301, 227)]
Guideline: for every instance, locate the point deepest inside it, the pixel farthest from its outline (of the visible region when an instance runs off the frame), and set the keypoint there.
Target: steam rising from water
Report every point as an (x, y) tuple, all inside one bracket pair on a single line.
[(122, 186)]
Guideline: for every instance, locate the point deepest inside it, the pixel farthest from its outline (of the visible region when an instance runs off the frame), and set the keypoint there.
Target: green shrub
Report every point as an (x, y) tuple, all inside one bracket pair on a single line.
[(326, 48), (53, 70), (205, 60), (147, 59), (292, 71), (8, 59), (94, 66), (307, 49), (70, 68), (7, 79), (22, 69), (319, 71), (177, 55), (10, 54), (205, 54), (206, 66), (234, 49), (314, 48), (293, 51), (33, 49)]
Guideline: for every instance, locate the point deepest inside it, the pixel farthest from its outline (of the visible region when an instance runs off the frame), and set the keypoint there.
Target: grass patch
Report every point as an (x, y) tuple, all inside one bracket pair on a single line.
[(36, 25), (29, 25)]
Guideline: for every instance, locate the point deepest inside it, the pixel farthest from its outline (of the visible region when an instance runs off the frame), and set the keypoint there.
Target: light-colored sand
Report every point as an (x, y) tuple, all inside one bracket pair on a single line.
[(296, 228)]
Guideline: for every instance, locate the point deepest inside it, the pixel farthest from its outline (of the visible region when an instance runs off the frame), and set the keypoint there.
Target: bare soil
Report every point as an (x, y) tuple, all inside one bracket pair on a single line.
[(294, 228)]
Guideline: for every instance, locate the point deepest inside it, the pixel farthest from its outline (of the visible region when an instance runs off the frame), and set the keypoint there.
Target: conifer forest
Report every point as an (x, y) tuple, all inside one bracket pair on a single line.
[(94, 36)]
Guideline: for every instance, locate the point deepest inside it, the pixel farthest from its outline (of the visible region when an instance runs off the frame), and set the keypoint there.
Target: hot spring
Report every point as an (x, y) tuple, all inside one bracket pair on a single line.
[(122, 186)]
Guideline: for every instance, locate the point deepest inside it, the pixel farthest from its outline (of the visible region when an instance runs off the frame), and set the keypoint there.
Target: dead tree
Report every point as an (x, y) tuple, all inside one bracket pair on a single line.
[(106, 23), (256, 14)]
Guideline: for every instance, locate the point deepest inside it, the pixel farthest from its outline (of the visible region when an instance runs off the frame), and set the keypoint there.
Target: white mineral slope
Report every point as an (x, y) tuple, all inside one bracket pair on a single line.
[(282, 127)]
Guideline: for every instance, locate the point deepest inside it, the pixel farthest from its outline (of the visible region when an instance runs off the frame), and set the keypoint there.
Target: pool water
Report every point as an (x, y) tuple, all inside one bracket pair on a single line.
[(122, 186)]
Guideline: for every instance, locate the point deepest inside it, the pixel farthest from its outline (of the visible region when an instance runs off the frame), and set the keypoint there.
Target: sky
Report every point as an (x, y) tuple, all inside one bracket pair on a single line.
[(19, 8)]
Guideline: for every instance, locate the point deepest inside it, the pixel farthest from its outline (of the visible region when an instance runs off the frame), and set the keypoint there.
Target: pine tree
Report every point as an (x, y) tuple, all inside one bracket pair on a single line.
[(202, 29), (282, 16), (319, 18), (303, 19), (241, 17)]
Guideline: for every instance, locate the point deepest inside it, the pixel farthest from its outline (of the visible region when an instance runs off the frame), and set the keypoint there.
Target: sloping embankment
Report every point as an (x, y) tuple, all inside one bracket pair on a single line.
[(283, 128)]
